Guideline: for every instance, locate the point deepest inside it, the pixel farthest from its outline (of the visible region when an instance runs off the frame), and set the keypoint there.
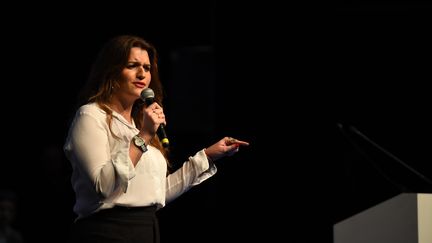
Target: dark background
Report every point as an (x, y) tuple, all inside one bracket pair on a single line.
[(290, 79)]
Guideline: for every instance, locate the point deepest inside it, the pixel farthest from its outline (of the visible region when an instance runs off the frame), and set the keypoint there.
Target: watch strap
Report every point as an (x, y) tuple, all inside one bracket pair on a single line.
[(141, 143)]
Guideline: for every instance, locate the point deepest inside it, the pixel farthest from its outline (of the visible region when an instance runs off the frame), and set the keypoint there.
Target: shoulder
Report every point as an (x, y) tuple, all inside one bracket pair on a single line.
[(90, 110)]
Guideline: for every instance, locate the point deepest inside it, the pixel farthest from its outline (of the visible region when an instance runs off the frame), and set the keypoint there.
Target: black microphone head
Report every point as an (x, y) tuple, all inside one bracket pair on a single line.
[(147, 94)]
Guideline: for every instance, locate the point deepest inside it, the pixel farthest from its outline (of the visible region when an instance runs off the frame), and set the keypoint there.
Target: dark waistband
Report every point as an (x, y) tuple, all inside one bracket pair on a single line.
[(150, 209), (141, 215), (126, 212)]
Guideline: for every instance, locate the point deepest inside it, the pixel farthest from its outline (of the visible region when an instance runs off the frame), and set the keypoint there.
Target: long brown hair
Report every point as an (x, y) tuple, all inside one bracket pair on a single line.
[(105, 74)]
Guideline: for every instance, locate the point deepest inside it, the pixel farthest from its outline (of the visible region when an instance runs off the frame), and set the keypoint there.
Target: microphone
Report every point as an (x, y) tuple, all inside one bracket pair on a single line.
[(147, 95), (386, 152), (356, 132)]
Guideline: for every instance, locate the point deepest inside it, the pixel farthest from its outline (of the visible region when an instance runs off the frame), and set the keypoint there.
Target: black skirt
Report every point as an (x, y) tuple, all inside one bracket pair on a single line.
[(118, 225)]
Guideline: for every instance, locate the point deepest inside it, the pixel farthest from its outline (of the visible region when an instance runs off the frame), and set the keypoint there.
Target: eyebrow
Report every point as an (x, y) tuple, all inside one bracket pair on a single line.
[(138, 62)]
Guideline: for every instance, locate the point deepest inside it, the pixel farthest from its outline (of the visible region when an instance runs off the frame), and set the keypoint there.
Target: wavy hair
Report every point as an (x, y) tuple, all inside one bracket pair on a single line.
[(105, 75)]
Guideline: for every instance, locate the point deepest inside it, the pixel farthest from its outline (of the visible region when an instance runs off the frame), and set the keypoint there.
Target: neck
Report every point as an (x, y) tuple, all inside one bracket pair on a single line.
[(124, 109)]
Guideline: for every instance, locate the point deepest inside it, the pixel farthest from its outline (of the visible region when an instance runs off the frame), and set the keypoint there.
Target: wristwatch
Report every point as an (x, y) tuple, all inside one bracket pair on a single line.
[(139, 142)]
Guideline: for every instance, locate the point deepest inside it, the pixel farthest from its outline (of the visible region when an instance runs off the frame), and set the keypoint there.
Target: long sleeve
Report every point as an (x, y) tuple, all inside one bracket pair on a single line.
[(103, 174), (88, 146), (194, 171)]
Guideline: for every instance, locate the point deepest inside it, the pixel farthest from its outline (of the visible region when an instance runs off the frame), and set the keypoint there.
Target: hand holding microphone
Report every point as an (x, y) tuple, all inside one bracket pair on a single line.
[(147, 95)]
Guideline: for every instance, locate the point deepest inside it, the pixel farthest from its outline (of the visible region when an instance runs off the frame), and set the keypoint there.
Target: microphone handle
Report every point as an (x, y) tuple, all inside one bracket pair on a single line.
[(161, 129), (162, 135)]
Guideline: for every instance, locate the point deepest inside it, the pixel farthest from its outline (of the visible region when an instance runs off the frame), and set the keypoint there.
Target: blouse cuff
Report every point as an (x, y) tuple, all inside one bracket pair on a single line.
[(204, 166)]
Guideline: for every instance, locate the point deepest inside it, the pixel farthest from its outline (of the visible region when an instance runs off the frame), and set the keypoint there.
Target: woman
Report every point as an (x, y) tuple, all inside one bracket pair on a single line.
[(120, 169)]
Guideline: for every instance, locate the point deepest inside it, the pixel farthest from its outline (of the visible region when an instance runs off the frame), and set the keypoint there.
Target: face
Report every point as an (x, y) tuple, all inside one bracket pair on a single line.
[(136, 75)]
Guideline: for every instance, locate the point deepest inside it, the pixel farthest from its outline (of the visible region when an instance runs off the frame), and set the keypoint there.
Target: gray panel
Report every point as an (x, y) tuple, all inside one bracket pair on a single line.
[(393, 221)]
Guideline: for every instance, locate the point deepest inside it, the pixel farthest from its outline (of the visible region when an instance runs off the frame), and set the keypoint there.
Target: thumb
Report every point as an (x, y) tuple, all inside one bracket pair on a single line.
[(232, 149)]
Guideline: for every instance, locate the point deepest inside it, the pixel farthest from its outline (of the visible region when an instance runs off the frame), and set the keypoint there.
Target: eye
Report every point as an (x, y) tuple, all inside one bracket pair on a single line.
[(132, 65)]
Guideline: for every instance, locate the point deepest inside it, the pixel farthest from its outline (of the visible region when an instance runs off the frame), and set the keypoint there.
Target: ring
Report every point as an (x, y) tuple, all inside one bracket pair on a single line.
[(231, 140)]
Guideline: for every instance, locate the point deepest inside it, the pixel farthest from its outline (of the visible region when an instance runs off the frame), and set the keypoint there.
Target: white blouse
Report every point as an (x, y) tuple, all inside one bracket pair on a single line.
[(103, 174)]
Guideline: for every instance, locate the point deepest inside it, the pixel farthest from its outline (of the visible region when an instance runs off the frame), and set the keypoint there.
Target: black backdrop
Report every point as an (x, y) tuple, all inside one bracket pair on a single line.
[(281, 77)]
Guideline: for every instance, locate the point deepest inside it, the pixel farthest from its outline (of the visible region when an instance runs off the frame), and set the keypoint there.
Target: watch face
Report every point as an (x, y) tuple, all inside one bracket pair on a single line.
[(138, 141)]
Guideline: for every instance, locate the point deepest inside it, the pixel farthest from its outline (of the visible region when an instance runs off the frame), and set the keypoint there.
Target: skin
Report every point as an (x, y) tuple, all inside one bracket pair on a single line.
[(135, 77)]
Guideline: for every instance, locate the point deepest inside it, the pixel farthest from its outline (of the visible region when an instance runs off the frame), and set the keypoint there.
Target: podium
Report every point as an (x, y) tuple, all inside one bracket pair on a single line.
[(405, 218)]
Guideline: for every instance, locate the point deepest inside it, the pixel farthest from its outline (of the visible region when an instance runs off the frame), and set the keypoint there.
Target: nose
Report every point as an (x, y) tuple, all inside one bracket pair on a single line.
[(141, 73)]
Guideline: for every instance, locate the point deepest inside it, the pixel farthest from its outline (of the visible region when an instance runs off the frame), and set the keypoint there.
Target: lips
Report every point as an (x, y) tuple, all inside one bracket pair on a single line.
[(139, 85)]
